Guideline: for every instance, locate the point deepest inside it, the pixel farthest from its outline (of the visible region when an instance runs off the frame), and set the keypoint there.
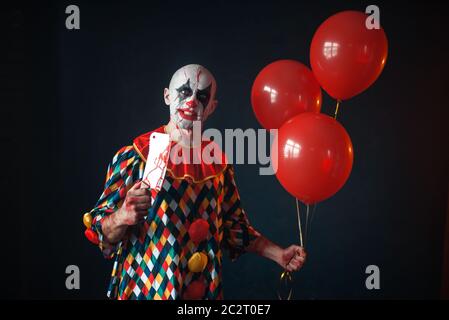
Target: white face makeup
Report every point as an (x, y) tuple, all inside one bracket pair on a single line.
[(191, 95)]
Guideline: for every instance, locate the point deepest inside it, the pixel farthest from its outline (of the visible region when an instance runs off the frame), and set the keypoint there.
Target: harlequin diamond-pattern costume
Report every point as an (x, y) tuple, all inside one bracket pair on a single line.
[(153, 261)]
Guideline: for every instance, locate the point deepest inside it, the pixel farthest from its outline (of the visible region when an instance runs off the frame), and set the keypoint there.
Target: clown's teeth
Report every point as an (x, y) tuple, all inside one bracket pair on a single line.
[(188, 113)]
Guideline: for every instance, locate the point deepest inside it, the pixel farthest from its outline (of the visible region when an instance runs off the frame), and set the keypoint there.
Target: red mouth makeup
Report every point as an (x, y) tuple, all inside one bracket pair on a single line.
[(188, 114)]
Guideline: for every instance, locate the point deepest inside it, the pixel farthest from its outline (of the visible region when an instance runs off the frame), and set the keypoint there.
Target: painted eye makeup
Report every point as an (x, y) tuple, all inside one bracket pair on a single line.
[(185, 91), (204, 95)]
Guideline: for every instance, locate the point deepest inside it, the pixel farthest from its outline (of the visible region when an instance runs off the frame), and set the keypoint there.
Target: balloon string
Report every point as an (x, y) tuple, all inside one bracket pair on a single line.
[(299, 224), (337, 107), (286, 277)]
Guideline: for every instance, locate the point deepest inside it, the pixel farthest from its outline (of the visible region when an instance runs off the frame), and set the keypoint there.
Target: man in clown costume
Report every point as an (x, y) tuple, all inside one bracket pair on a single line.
[(168, 244)]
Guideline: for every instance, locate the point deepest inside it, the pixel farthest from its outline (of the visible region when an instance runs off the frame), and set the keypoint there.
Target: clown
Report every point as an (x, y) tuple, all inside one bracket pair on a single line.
[(168, 245)]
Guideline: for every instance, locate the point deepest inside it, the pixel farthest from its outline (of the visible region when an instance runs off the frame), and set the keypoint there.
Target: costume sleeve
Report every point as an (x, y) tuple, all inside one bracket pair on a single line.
[(125, 168), (238, 232)]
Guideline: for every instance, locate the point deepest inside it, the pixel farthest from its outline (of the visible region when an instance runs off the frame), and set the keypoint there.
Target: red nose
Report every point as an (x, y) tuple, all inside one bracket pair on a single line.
[(191, 103)]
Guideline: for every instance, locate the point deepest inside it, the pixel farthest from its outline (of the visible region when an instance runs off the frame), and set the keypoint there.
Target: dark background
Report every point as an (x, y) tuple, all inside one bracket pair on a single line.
[(72, 98)]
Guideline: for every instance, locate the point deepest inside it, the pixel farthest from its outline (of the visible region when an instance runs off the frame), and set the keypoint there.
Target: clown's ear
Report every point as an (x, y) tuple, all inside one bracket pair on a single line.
[(210, 109), (167, 96)]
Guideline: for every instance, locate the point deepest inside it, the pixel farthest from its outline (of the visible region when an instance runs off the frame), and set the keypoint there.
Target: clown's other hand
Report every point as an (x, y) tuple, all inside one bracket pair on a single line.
[(293, 258), (135, 207)]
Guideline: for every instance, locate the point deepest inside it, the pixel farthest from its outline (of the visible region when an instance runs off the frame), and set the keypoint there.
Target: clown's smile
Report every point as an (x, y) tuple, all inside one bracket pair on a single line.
[(188, 114)]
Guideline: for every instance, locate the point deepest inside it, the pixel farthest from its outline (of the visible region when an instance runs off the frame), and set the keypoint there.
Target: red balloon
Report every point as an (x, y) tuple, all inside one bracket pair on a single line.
[(282, 90), (347, 57), (199, 230), (92, 236), (315, 157)]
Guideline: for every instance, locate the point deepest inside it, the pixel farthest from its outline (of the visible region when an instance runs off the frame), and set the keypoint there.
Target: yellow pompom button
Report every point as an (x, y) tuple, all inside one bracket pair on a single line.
[(87, 220), (197, 262)]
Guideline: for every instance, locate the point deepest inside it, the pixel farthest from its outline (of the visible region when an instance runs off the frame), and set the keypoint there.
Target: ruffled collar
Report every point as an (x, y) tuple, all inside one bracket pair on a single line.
[(196, 171)]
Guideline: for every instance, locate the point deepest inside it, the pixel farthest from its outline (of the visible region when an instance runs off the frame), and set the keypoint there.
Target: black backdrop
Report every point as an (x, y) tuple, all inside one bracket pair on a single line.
[(71, 99)]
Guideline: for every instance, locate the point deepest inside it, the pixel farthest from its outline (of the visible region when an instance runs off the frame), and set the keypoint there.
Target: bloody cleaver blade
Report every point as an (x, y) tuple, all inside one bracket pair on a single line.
[(156, 165)]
